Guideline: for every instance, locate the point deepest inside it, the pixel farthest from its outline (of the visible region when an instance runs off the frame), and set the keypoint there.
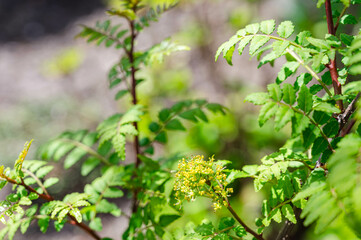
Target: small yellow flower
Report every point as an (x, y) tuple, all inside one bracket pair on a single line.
[(198, 177)]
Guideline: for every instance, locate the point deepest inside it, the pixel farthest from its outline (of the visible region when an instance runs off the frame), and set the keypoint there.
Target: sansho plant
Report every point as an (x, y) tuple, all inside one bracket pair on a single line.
[(103, 151), (315, 176)]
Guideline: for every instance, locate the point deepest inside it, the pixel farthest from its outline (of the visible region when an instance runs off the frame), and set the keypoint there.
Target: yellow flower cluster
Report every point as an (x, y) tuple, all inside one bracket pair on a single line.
[(198, 177)]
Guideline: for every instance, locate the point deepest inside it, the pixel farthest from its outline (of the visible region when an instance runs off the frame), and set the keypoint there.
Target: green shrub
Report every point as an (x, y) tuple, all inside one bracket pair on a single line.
[(315, 176)]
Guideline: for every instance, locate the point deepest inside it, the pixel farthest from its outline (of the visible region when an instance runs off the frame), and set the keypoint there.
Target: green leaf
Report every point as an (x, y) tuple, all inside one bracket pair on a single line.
[(287, 70), (289, 94), (106, 207), (31, 211), (302, 38), (43, 223), (325, 107), (266, 112), (200, 114), (276, 215), (206, 228), (189, 115), (315, 88), (243, 43), (308, 136), (99, 185), (25, 225), (319, 146), (150, 235), (226, 222), (42, 172), (24, 201), (303, 79), (240, 231), (280, 47), (331, 128), (326, 78), (175, 124), (320, 117), (285, 29), (267, 27), (259, 98), (128, 129), (50, 182), (119, 142), (275, 92), (319, 43), (74, 157), (305, 99), (333, 40), (257, 43), (113, 192), (89, 165), (346, 39), (215, 108), (164, 115), (228, 48), (315, 183), (269, 58), (120, 94), (161, 137), (165, 220), (348, 19), (76, 213), (319, 61), (252, 28), (96, 224), (154, 127), (283, 116), (59, 225), (157, 53), (150, 163), (287, 211)]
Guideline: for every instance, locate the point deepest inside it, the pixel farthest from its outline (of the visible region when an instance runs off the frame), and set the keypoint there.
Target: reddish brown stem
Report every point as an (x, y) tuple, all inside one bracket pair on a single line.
[(331, 28), (248, 229), (133, 89), (134, 101), (335, 83), (84, 227), (49, 198), (332, 66)]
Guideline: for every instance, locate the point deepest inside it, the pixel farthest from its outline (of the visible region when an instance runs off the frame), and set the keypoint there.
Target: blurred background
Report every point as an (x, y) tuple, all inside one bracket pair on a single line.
[(51, 82)]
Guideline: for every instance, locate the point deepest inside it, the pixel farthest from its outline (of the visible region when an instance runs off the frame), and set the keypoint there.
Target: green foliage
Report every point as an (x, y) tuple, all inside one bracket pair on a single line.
[(104, 32), (115, 129), (314, 175), (156, 53), (292, 178)]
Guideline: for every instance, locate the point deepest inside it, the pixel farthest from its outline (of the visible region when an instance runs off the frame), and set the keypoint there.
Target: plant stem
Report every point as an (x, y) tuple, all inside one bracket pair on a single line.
[(339, 18), (222, 231), (133, 70), (87, 149), (37, 181), (328, 8), (235, 215), (332, 66), (249, 230), (311, 120), (278, 39), (49, 198), (294, 55)]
